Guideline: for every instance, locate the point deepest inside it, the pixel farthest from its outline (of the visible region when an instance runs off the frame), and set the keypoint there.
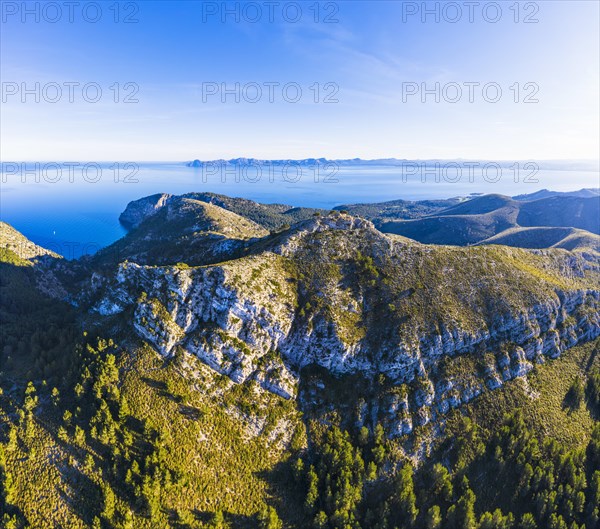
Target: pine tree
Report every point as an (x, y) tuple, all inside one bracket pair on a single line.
[(442, 482), (218, 521), (527, 522), (465, 508), (433, 518), (268, 519), (406, 495), (108, 502)]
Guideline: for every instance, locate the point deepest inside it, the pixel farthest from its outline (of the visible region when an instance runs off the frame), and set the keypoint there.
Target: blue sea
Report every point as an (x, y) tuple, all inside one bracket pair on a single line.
[(74, 209)]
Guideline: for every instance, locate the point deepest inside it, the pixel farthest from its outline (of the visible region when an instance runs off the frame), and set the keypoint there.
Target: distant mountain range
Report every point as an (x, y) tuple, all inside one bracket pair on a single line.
[(588, 192), (583, 165)]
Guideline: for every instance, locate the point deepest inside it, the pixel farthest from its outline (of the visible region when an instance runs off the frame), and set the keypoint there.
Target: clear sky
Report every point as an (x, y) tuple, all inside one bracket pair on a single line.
[(364, 57)]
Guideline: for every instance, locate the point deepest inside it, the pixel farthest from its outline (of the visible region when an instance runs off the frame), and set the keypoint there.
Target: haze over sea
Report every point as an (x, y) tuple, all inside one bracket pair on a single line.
[(78, 215)]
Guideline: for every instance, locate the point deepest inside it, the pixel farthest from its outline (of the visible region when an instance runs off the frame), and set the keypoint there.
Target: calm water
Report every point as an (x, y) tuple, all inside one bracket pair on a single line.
[(78, 213)]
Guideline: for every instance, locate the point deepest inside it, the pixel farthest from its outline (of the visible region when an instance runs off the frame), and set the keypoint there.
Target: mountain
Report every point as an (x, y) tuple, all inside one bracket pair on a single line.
[(573, 165), (568, 238), (258, 162), (305, 162), (480, 218), (545, 193), (233, 364), (270, 298), (273, 300), (464, 220), (269, 216), (172, 229)]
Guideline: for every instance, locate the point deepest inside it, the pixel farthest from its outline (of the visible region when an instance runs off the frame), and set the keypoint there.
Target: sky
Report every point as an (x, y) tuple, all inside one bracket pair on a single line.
[(415, 80)]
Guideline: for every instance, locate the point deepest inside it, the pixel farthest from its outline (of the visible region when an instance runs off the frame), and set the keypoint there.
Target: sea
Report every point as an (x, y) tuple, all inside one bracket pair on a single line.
[(73, 208)]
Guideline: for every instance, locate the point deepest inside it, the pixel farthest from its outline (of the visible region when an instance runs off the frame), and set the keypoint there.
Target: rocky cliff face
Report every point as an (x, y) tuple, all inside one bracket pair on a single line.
[(334, 292), (139, 210)]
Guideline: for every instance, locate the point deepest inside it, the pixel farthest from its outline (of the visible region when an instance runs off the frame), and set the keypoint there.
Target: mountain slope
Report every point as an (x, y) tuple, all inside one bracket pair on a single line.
[(571, 239), (480, 218), (180, 229), (21, 246), (397, 209), (545, 193), (269, 216), (456, 221), (583, 213)]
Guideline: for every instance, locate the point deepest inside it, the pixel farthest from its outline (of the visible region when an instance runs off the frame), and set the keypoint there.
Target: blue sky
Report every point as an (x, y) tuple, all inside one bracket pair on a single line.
[(175, 47)]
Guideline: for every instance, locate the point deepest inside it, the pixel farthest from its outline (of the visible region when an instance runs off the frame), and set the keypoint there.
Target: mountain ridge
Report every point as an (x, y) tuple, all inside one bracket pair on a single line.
[(326, 247)]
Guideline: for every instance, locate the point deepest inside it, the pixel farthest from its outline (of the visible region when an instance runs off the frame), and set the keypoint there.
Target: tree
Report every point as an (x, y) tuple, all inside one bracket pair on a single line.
[(442, 482), (462, 515), (123, 409), (527, 521), (151, 495), (31, 398), (371, 473), (313, 488), (108, 502), (78, 390), (7, 486), (55, 395), (593, 449), (218, 521), (363, 436), (9, 522), (556, 521), (406, 495), (320, 521), (335, 482), (378, 448), (79, 436), (433, 518), (576, 393), (496, 520), (594, 498), (268, 519)]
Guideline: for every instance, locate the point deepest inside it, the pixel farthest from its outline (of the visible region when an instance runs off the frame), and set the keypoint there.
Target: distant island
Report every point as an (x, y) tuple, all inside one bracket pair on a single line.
[(582, 165)]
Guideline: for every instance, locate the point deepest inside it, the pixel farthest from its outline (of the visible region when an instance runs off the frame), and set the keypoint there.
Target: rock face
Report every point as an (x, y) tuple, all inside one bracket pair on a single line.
[(334, 292), (139, 210)]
